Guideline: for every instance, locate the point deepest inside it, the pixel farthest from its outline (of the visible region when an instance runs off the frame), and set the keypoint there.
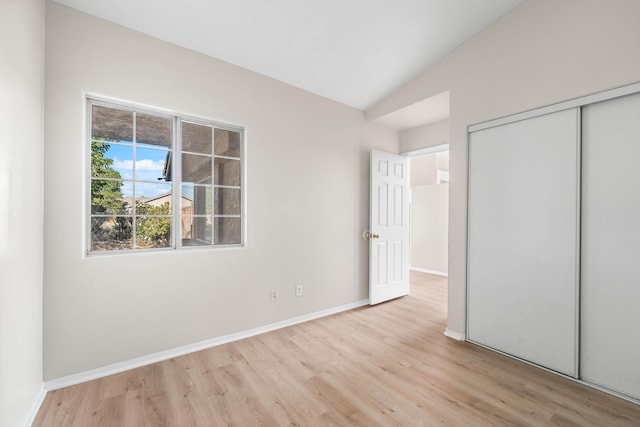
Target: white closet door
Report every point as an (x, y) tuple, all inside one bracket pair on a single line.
[(523, 239), (610, 294)]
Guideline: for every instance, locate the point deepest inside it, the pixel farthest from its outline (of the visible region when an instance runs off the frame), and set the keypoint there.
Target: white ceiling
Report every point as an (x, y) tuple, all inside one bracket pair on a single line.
[(353, 51)]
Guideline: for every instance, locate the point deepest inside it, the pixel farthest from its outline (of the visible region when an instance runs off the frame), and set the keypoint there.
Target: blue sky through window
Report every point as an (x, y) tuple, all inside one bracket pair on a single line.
[(148, 167)]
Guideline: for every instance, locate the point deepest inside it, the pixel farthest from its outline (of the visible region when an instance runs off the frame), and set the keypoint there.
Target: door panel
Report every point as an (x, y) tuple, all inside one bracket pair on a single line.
[(523, 239), (610, 294), (389, 241)]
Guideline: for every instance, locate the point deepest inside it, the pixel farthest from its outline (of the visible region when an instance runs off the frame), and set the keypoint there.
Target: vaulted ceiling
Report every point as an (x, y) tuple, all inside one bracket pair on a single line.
[(353, 51)]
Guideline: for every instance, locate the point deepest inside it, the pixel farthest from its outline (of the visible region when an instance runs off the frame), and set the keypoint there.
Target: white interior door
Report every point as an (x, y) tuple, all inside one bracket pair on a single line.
[(389, 227)]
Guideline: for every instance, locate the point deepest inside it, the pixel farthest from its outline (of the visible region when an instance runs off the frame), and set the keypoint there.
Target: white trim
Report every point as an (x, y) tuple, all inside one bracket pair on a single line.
[(578, 248), (115, 368), (425, 151), (424, 270), (573, 103), (37, 403), (155, 110), (458, 336)]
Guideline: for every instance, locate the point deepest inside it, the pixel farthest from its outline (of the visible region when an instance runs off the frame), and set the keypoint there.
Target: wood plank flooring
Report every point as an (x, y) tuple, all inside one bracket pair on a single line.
[(388, 365)]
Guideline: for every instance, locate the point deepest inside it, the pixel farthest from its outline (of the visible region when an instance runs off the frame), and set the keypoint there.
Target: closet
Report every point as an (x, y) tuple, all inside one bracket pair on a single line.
[(610, 285), (554, 238)]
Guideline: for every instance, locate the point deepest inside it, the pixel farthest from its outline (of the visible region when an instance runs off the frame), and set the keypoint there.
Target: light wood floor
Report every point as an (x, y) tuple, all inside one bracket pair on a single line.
[(388, 365)]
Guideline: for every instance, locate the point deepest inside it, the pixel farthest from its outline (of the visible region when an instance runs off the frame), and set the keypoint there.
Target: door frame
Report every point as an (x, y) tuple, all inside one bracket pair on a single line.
[(427, 150)]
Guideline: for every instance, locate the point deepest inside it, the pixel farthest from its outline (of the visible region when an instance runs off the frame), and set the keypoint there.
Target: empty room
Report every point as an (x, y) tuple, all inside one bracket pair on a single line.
[(206, 212)]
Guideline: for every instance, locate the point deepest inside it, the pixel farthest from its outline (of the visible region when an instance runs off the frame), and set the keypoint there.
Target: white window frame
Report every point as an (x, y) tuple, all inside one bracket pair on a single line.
[(176, 172)]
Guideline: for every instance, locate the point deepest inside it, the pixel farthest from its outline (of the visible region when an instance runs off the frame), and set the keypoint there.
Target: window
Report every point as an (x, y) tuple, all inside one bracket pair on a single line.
[(161, 181)]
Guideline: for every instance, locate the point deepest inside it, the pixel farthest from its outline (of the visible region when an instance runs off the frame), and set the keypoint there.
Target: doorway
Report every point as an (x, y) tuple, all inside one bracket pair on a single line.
[(429, 209)]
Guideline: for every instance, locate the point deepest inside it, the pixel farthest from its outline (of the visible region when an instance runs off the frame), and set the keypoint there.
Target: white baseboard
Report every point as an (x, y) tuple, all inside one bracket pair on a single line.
[(37, 403), (424, 270), (458, 336), (116, 368)]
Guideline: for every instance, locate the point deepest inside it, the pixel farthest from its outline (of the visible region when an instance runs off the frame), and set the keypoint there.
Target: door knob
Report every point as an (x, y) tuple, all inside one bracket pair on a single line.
[(366, 235)]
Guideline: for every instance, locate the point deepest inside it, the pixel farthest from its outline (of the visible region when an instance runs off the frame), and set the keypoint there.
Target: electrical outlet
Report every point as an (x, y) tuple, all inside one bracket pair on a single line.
[(298, 290), (274, 295)]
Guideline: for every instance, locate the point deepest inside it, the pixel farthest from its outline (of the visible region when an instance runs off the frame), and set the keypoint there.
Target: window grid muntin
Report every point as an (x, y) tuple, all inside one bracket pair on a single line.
[(176, 185), (214, 185), (132, 214), (223, 186)]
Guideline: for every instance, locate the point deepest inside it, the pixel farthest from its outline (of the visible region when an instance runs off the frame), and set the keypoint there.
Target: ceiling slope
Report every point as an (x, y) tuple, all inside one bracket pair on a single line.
[(352, 51)]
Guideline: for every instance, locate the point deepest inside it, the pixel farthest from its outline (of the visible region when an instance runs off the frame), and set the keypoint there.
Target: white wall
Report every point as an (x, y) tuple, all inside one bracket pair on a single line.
[(21, 139), (428, 135), (429, 227), (308, 196), (442, 161), (429, 212), (423, 170), (542, 52)]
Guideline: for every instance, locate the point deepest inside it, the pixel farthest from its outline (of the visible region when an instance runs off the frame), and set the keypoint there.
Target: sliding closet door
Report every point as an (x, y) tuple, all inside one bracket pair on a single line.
[(610, 310), (523, 238)]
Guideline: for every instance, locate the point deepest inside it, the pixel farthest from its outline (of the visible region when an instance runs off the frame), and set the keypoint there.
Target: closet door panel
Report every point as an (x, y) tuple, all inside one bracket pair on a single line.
[(523, 239), (610, 292)]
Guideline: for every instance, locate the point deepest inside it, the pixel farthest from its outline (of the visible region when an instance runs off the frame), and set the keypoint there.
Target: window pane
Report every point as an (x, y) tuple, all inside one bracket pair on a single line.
[(227, 143), (153, 130), (150, 164), (152, 192), (186, 216), (155, 206), (111, 160), (107, 197), (227, 201), (153, 232), (186, 195), (196, 169), (202, 200), (111, 124), (199, 231), (111, 233), (227, 231), (227, 172), (196, 138)]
